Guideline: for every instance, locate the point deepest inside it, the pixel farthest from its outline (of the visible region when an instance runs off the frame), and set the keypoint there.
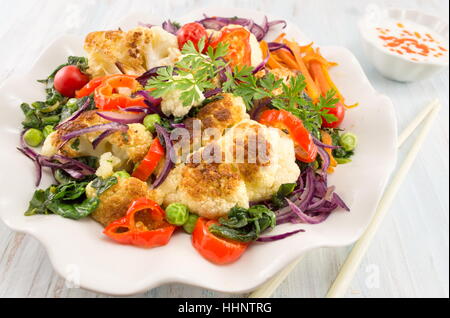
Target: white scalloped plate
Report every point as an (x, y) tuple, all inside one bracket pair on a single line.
[(78, 249)]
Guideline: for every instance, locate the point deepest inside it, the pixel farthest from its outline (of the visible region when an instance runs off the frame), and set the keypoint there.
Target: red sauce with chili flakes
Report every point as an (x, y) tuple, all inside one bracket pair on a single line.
[(416, 42)]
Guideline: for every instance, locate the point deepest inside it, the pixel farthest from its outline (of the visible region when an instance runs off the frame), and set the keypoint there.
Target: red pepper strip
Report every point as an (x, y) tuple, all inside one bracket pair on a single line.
[(108, 97), (305, 149), (146, 229), (150, 161), (239, 50), (89, 88)]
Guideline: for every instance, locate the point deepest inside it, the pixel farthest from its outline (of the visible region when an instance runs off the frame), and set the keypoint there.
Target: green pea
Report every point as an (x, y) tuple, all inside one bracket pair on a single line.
[(47, 130), (72, 102), (348, 141), (121, 174), (177, 213), (33, 137), (190, 223), (150, 121), (342, 161)]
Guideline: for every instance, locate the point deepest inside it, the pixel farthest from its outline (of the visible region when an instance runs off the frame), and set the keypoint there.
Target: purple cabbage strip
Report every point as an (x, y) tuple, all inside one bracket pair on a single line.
[(164, 136), (94, 128), (212, 92), (278, 237), (147, 75), (76, 114), (170, 27), (260, 31)]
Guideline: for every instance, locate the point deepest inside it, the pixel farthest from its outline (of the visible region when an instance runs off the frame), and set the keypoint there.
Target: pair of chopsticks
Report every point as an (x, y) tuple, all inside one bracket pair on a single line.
[(351, 264)]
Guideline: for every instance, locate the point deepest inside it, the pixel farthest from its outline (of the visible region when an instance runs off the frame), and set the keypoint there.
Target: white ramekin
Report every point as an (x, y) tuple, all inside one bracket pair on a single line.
[(392, 65)]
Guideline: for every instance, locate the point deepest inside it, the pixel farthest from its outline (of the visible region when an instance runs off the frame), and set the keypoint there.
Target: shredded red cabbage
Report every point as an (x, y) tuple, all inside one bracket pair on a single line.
[(147, 75), (170, 27), (73, 167), (101, 127), (262, 64), (277, 237), (212, 92), (312, 201), (164, 137), (275, 46), (122, 118), (76, 114), (260, 31)]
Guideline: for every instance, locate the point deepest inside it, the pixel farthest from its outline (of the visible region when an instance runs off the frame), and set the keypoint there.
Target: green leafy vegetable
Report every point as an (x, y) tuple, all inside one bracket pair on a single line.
[(283, 191), (67, 200), (101, 185), (244, 225)]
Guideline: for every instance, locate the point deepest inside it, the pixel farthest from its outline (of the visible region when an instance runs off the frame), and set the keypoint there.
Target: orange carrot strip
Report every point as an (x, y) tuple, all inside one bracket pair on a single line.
[(272, 62), (288, 59), (327, 140), (311, 87)]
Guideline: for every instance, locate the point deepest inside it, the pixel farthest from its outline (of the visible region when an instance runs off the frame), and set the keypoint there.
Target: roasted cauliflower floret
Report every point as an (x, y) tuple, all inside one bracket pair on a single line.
[(225, 112), (171, 103), (115, 201), (132, 52), (130, 146), (209, 190), (107, 164), (264, 156)]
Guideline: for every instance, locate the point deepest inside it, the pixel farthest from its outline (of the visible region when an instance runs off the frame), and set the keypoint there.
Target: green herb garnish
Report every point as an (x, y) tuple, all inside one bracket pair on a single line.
[(192, 75)]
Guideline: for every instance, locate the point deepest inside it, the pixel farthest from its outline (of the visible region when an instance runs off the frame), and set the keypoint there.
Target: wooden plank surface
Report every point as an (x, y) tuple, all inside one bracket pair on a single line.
[(410, 255)]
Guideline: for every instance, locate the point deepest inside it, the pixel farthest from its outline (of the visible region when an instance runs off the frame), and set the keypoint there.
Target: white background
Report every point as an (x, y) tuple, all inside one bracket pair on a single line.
[(409, 256)]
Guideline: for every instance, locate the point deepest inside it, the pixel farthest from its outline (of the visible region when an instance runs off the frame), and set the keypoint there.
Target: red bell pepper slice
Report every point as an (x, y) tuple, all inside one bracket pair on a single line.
[(305, 149), (215, 249), (150, 161), (239, 50), (107, 94), (143, 225)]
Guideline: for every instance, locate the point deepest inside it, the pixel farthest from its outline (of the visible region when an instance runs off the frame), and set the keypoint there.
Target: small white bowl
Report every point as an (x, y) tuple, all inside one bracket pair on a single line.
[(392, 65)]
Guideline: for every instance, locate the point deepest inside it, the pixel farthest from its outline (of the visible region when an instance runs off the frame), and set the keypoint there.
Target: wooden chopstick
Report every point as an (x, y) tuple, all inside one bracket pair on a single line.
[(267, 289), (415, 122), (351, 264)]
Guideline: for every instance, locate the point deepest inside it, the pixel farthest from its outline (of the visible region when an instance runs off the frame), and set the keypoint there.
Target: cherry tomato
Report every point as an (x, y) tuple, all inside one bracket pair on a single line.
[(339, 112), (215, 249), (192, 32), (69, 79), (239, 50)]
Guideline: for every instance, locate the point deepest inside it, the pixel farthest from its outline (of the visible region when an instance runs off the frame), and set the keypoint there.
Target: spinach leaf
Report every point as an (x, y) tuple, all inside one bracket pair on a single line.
[(283, 191), (244, 225), (103, 184), (74, 211), (67, 200)]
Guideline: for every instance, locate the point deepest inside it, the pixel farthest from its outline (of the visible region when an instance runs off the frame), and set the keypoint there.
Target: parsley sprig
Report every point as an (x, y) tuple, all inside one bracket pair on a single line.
[(192, 75), (290, 97)]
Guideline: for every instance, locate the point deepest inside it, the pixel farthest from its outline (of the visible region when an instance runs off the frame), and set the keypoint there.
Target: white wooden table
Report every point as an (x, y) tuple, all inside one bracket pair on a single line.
[(410, 256)]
